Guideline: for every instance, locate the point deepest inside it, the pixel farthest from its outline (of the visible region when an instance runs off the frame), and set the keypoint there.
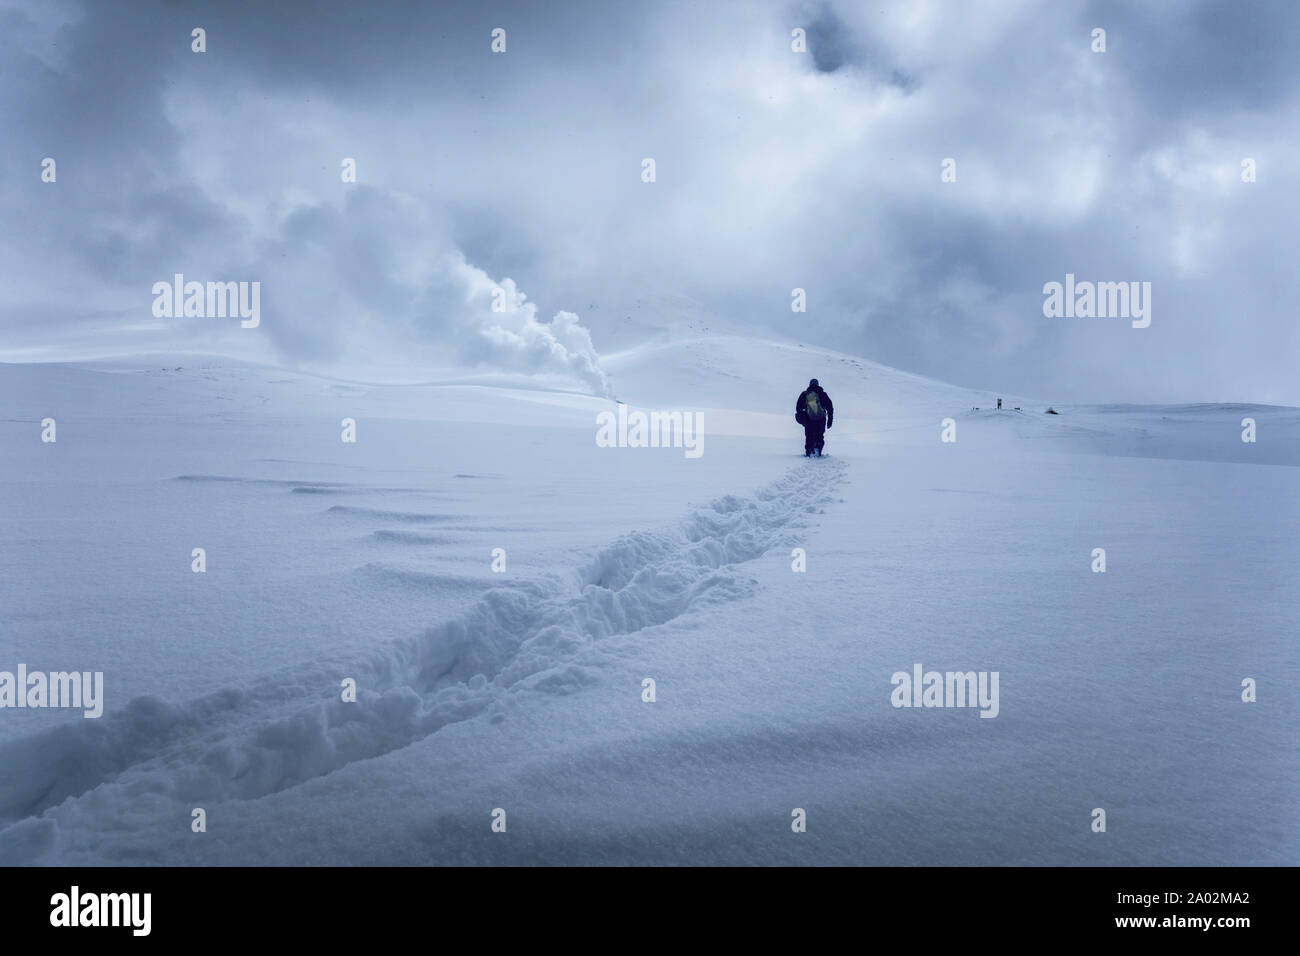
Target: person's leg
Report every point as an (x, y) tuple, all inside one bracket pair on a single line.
[(808, 439)]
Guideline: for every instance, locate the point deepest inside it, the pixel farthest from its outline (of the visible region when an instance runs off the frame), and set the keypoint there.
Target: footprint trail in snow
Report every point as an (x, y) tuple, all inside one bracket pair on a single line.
[(244, 743)]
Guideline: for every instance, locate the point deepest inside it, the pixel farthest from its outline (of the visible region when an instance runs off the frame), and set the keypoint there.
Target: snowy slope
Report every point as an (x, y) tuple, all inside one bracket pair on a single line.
[(523, 690)]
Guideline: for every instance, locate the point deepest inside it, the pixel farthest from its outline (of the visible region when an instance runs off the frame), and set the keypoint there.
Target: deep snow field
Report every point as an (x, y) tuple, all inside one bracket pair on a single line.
[(522, 690)]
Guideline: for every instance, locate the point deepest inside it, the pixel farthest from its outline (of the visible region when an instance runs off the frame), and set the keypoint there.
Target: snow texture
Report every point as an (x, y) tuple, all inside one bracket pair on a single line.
[(523, 689)]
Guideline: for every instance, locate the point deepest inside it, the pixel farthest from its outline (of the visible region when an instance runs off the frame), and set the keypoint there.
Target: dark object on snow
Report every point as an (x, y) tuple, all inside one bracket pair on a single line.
[(999, 403), (814, 411), (1052, 411)]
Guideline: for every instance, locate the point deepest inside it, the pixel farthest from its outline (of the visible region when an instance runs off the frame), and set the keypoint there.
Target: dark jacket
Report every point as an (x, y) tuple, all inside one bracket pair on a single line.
[(801, 410)]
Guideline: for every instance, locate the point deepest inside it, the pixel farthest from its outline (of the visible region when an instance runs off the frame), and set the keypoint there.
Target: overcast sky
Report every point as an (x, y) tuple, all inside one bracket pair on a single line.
[(774, 170)]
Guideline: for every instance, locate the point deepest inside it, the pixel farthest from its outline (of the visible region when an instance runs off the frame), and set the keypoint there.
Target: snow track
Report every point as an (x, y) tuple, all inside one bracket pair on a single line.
[(533, 637)]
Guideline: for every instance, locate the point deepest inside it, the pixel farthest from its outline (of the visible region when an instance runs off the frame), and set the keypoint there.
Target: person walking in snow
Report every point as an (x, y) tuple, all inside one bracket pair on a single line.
[(814, 411)]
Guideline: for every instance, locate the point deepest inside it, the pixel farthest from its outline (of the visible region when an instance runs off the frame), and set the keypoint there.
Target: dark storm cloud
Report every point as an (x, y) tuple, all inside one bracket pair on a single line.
[(775, 171), (833, 45), (1210, 57), (830, 41)]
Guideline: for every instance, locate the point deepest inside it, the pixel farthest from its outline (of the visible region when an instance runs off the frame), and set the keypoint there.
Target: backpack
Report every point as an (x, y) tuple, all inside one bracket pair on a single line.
[(808, 410), (814, 412)]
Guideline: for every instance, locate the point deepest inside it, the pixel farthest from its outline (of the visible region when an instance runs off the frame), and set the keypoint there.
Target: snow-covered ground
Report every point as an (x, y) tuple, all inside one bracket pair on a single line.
[(522, 690)]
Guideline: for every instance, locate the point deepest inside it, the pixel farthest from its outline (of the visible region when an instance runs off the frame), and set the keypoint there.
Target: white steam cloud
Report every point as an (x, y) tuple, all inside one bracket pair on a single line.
[(493, 324), (381, 277)]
